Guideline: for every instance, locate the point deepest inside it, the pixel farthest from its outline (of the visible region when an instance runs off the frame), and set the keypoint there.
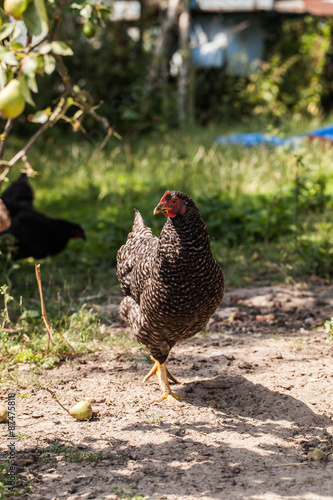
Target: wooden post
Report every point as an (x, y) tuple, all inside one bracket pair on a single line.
[(184, 70), (162, 45)]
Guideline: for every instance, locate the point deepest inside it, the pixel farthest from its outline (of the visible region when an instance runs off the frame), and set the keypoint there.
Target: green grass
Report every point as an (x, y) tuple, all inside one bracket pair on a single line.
[(329, 329), (68, 454), (7, 489), (269, 212), (128, 494)]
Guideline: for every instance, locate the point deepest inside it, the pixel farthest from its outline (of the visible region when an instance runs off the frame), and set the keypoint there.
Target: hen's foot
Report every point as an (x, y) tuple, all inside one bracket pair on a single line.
[(163, 376), (174, 398), (154, 370)]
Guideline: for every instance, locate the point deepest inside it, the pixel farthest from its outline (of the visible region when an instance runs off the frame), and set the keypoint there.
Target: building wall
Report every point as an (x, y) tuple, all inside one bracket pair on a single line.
[(233, 41)]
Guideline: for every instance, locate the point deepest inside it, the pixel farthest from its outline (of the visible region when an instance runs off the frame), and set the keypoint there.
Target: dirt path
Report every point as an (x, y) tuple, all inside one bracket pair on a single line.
[(259, 397)]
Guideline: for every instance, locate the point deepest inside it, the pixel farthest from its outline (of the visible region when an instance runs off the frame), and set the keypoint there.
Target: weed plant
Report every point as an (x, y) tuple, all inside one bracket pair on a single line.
[(329, 328)]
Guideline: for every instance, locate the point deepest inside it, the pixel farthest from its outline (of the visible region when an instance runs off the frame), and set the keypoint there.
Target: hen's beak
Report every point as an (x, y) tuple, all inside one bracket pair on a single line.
[(159, 208)]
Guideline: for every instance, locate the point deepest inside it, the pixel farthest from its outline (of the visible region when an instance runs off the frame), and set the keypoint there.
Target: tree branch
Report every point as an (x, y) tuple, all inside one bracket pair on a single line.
[(44, 315), (4, 136), (81, 99), (54, 35), (162, 44), (7, 166)]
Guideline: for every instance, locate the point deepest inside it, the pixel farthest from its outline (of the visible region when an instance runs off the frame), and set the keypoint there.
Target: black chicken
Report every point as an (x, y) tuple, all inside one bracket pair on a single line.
[(18, 196), (36, 235), (172, 283), (39, 236)]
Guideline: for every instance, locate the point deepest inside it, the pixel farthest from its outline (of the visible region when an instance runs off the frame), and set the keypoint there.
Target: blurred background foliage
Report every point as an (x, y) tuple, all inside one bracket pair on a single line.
[(247, 197), (294, 79), (269, 211)]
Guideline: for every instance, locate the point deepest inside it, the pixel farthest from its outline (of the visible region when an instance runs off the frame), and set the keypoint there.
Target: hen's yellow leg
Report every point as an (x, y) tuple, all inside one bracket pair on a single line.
[(154, 370), (163, 375)]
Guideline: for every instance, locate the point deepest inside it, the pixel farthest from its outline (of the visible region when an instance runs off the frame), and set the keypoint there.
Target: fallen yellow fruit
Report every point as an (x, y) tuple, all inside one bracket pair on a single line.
[(81, 411), (317, 455), (3, 414)]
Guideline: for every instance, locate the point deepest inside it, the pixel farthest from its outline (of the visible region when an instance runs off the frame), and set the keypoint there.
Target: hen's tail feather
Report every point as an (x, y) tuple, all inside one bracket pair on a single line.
[(138, 222), (140, 243)]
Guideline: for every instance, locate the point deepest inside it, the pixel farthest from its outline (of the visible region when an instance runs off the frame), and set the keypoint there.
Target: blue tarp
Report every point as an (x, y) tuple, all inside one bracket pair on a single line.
[(255, 139), (323, 133)]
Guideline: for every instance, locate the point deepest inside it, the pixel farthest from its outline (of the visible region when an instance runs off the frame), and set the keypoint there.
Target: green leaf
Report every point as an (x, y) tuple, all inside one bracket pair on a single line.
[(130, 114), (61, 48), (31, 20), (17, 31), (41, 9), (10, 59), (30, 65), (30, 314), (41, 116), (7, 56), (6, 30), (35, 18), (3, 78), (32, 84), (45, 48), (26, 91), (49, 64), (75, 6), (17, 46), (86, 11)]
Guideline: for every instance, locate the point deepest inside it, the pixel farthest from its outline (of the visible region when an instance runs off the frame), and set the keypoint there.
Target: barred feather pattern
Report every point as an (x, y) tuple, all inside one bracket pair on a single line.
[(172, 284)]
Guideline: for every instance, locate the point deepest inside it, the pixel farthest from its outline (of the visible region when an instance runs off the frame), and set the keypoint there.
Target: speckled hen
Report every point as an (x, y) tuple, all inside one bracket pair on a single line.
[(172, 284)]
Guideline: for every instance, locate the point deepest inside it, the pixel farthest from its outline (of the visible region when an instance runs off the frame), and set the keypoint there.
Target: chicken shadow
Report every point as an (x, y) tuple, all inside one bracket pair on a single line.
[(221, 451), (229, 393), (243, 407), (194, 457)]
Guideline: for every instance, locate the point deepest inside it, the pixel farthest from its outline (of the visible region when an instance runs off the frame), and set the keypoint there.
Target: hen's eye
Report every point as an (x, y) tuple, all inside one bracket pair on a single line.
[(174, 201)]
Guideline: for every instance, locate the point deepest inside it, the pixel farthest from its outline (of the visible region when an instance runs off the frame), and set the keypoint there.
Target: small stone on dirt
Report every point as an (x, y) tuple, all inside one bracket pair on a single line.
[(244, 365), (265, 317), (317, 455)]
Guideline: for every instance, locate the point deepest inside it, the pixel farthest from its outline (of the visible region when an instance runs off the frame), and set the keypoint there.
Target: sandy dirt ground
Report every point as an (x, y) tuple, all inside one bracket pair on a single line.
[(259, 397)]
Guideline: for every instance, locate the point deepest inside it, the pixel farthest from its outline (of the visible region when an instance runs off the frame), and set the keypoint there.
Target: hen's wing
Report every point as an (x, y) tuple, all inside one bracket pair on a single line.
[(137, 254)]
